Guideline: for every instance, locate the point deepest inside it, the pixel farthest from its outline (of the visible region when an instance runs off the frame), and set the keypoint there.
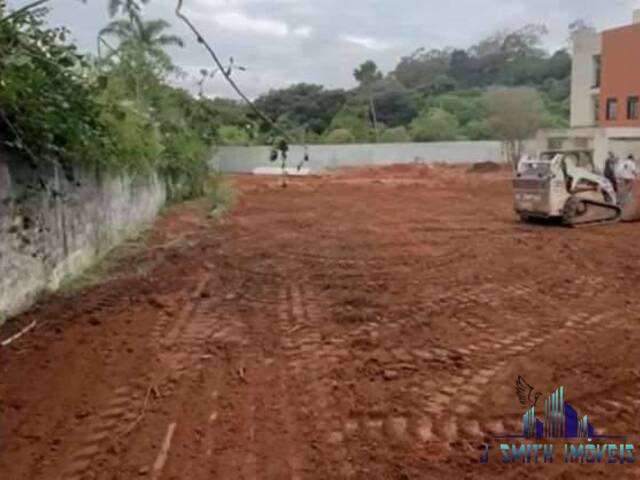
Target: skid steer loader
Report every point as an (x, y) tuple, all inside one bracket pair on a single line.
[(564, 185)]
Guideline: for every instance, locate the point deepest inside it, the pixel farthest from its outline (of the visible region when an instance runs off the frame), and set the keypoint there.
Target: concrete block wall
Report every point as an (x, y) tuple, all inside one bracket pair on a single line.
[(47, 235), (327, 157)]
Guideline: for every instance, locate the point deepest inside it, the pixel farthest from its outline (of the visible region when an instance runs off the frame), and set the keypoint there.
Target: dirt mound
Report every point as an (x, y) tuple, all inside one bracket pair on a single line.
[(485, 167)]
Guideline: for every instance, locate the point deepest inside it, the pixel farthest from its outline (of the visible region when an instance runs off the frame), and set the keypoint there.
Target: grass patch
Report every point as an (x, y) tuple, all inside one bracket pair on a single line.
[(221, 195), (106, 265)]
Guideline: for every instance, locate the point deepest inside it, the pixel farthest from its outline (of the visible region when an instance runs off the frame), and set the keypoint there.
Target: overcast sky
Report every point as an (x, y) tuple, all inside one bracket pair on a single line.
[(281, 42)]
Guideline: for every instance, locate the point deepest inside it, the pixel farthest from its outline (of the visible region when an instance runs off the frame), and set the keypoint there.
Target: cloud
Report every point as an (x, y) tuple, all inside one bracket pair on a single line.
[(240, 22), (322, 41), (236, 20), (368, 42), (303, 31)]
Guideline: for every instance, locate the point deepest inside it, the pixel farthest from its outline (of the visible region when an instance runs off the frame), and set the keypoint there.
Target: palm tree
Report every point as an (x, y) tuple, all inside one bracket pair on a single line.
[(144, 36), (129, 7), (146, 32)]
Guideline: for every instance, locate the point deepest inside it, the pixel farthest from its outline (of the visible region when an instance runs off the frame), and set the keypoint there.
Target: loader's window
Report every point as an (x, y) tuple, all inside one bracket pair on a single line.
[(535, 168), (612, 109)]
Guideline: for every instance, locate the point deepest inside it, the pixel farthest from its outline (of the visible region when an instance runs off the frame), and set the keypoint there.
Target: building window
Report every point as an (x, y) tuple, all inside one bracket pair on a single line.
[(612, 108), (595, 102), (633, 110), (597, 70), (555, 143)]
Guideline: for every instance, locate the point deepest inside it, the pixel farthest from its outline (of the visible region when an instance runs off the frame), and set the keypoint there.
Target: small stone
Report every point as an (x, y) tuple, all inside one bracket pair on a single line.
[(390, 375), (143, 471)]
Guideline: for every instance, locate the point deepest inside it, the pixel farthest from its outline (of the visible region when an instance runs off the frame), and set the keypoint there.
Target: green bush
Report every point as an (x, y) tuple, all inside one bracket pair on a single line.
[(119, 113), (339, 135), (353, 119), (49, 111), (434, 125), (477, 130), (395, 135), (232, 135)]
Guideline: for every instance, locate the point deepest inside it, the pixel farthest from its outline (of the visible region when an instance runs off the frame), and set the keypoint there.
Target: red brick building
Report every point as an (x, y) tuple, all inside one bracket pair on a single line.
[(620, 77)]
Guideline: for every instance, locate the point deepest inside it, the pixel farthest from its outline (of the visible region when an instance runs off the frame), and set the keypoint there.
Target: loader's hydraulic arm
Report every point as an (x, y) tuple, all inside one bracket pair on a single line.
[(580, 175)]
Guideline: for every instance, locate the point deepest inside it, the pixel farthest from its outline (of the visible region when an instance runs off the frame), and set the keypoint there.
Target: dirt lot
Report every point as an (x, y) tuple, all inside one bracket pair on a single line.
[(368, 325)]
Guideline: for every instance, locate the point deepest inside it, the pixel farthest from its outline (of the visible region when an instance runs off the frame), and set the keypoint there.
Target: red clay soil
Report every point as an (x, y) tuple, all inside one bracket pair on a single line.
[(367, 325)]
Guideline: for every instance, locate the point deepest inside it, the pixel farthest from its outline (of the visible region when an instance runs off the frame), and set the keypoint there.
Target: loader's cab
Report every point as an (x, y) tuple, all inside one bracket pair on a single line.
[(541, 183)]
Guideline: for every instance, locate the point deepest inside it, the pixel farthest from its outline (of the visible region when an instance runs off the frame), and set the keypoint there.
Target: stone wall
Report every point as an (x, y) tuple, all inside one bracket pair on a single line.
[(54, 224)]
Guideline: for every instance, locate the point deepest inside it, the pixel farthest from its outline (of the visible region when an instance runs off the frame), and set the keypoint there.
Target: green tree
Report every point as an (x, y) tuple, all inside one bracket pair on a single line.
[(150, 34), (130, 8), (395, 104), (423, 68), (339, 136), (354, 119), (466, 106), (515, 114), (366, 75), (477, 130), (308, 106), (230, 135), (434, 125)]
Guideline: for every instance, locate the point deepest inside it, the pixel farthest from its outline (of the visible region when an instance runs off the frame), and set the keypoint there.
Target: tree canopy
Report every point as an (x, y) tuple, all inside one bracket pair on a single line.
[(443, 87)]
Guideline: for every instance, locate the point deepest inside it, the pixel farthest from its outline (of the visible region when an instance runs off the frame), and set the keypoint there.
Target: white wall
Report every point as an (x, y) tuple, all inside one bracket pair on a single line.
[(585, 45), (326, 157), (48, 236)]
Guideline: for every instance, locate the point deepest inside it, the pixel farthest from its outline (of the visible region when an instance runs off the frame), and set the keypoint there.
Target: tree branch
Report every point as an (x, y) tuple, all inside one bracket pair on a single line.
[(227, 76), (23, 10)]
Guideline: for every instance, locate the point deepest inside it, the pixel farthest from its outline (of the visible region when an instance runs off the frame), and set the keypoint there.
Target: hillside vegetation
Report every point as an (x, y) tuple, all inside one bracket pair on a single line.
[(431, 95)]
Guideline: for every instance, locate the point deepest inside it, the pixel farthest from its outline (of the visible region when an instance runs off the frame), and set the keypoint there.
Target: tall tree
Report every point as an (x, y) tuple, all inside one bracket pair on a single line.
[(311, 107), (367, 74), (141, 48), (130, 8), (147, 33), (515, 114)]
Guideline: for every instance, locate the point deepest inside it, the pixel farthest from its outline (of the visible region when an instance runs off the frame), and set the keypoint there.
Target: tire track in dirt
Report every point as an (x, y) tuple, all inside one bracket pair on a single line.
[(121, 411), (310, 359), (455, 403), (449, 412)]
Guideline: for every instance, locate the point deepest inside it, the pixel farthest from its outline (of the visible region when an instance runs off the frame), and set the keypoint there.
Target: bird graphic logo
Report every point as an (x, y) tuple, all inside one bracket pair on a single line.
[(526, 393)]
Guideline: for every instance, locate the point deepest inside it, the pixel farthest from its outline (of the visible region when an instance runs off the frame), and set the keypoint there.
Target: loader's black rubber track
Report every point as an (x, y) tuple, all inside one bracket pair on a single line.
[(574, 221)]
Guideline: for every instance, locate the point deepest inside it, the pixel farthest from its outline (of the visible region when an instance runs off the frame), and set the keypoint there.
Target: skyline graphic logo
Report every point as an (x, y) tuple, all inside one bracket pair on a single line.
[(558, 421), (561, 421)]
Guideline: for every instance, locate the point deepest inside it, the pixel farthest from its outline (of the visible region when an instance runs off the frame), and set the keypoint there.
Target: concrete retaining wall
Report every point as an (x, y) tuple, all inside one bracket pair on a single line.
[(326, 157), (49, 234)]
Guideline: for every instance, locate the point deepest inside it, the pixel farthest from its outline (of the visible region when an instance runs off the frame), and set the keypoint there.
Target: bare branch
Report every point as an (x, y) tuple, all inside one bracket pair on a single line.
[(23, 10)]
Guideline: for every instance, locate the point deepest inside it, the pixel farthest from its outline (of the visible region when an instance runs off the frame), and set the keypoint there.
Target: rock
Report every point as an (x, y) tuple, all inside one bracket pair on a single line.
[(390, 375)]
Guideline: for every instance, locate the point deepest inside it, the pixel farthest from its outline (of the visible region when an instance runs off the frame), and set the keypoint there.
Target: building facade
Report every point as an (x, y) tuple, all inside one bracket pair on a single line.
[(605, 90), (605, 95)]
